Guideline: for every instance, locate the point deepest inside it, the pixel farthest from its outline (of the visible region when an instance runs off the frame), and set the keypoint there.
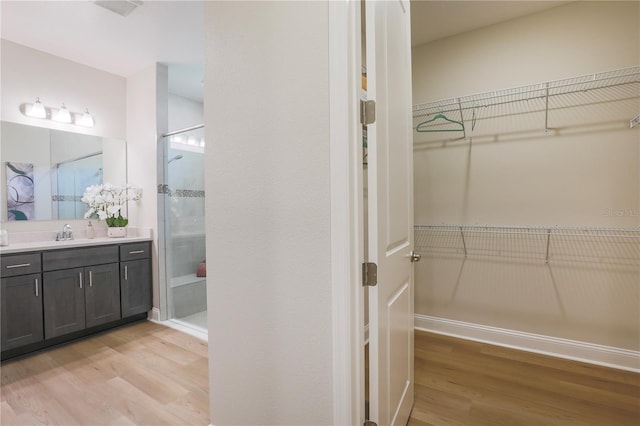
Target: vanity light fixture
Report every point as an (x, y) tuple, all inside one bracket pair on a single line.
[(63, 115), (86, 120), (37, 110)]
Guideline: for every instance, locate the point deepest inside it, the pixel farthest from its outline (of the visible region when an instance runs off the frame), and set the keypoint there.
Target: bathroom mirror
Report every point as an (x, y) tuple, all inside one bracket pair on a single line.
[(45, 171)]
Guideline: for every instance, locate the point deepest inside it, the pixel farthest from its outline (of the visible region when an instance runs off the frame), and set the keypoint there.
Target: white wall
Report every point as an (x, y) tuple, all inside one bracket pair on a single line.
[(114, 153), (69, 147), (184, 112), (28, 74), (146, 121), (571, 176), (268, 213), (579, 38), (513, 173)]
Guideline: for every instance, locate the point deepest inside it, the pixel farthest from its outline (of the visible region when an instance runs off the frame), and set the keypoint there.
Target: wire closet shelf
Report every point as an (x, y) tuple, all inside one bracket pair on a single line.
[(619, 246), (611, 85)]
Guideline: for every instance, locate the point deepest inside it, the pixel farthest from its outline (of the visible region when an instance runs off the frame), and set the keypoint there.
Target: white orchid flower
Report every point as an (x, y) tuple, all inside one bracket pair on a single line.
[(108, 200)]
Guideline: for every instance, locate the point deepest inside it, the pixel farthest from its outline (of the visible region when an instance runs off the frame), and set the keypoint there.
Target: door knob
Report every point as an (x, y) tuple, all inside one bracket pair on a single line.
[(415, 257)]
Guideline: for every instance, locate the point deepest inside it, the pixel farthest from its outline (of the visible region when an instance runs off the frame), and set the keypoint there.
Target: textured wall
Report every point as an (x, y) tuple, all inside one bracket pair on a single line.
[(268, 212)]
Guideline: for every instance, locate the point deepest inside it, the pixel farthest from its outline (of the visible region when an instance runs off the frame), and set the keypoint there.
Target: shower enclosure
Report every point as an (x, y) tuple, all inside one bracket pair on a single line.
[(183, 194), (70, 180)]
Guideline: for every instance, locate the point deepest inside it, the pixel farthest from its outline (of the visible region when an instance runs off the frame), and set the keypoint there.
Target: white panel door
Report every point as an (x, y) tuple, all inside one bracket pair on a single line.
[(390, 180)]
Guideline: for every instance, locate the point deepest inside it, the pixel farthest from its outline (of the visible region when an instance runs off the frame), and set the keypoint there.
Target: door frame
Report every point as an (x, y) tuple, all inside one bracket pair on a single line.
[(347, 228), (347, 212)]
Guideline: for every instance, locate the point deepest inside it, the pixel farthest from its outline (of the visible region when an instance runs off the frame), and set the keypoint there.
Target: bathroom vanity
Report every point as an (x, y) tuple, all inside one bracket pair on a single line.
[(54, 293)]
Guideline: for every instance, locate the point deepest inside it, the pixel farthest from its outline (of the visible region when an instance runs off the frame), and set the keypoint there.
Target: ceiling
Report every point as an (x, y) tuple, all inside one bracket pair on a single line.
[(172, 32), (433, 20)]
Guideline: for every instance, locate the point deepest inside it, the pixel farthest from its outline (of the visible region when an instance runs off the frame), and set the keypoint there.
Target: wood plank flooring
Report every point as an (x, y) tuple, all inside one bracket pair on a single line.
[(459, 382), (148, 374), (140, 374)]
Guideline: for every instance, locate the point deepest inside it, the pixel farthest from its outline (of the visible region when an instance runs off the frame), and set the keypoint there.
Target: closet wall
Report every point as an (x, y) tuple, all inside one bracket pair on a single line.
[(584, 171)]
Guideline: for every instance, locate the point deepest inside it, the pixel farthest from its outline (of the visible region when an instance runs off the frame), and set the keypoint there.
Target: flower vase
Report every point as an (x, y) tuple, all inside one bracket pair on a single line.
[(116, 232)]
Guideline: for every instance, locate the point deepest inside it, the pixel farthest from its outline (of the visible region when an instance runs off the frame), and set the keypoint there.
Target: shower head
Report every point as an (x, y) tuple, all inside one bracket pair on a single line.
[(177, 157)]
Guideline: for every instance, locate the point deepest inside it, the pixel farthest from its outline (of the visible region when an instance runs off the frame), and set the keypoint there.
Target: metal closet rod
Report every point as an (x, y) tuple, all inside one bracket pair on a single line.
[(545, 231), (186, 129), (580, 84), (538, 230), (454, 107), (541, 91), (451, 107)]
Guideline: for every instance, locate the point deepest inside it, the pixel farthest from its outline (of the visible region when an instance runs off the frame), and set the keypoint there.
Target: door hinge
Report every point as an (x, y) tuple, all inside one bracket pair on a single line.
[(369, 274), (367, 112), (370, 423)]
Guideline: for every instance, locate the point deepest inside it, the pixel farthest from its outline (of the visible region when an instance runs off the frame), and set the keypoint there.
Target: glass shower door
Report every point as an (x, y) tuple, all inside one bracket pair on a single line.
[(184, 228)]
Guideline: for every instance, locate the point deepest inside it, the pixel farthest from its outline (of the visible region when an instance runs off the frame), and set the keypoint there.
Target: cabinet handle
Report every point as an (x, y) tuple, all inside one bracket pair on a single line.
[(36, 287), (90, 278), (126, 272), (80, 275), (136, 252), (20, 265)]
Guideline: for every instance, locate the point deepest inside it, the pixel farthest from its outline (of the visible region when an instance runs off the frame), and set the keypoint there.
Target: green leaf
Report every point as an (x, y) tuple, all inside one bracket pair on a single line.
[(117, 221), (18, 215)]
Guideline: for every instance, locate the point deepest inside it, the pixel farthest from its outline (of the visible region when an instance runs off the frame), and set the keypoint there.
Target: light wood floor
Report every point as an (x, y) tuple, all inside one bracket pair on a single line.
[(459, 382), (148, 374), (140, 374)]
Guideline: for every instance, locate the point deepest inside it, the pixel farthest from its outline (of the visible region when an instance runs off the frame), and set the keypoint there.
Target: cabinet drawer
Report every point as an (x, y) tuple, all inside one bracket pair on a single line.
[(20, 264), (135, 251), (74, 258)]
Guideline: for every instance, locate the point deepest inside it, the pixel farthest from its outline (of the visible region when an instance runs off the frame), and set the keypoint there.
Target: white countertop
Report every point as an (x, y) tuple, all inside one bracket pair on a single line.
[(46, 241)]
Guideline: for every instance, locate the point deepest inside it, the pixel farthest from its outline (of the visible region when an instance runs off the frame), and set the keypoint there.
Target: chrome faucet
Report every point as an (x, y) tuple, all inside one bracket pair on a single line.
[(66, 235)]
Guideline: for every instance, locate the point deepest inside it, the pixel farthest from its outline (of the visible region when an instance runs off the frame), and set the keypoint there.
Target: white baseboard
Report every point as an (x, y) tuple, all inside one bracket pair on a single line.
[(607, 356), (187, 328), (154, 315)]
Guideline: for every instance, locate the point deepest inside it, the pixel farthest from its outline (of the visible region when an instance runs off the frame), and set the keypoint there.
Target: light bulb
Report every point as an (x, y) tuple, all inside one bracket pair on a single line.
[(63, 115), (37, 110), (86, 120)]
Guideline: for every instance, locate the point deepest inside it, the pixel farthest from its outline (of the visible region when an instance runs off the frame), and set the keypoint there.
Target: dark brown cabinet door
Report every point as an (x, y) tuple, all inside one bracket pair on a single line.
[(79, 298), (102, 294), (21, 311), (135, 285), (64, 307)]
